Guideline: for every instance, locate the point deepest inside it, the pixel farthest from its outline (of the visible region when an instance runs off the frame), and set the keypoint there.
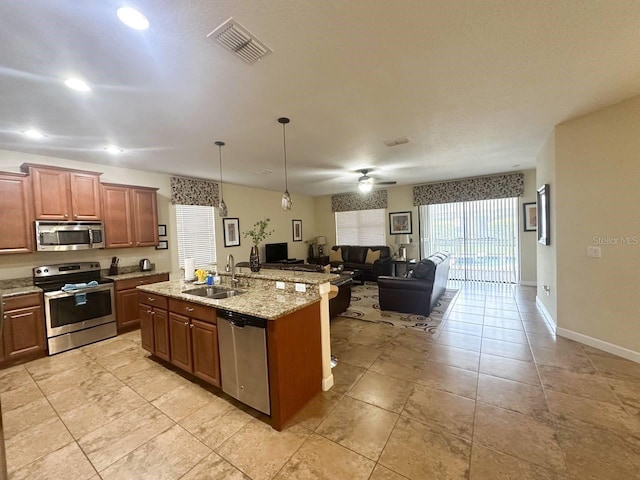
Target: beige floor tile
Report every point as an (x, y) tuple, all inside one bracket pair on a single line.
[(516, 396), (503, 323), (449, 379), (108, 347), (456, 357), (476, 319), (214, 467), (487, 464), (20, 396), (470, 302), (14, 377), (155, 382), (499, 348), (67, 462), (419, 452), (519, 435), (442, 410), (505, 334), (26, 416), (532, 317), (260, 451), (460, 340), (627, 391), (168, 456), (106, 445), (501, 304), (508, 368), (463, 327), (322, 459), (382, 391), (408, 370), (345, 376), (35, 442), (45, 367), (415, 340), (464, 310), (586, 385), (181, 402), (549, 340), (344, 331), (316, 410), (357, 355), (538, 327), (127, 372), (87, 378), (215, 422), (358, 426), (122, 358), (603, 415), (372, 338), (383, 473), (561, 358), (86, 391), (502, 313), (612, 366)]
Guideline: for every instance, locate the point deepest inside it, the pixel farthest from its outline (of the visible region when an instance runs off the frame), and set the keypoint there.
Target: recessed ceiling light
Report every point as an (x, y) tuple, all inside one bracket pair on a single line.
[(113, 149), (133, 18), (77, 84), (34, 134)]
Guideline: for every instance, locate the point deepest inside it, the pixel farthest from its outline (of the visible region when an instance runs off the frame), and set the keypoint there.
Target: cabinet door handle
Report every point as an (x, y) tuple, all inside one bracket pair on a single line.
[(191, 325), (189, 309), (151, 299), (19, 315), (75, 216), (66, 216), (151, 312), (186, 323)]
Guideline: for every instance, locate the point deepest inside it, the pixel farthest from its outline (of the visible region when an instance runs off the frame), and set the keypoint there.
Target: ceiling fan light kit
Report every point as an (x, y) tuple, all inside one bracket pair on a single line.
[(366, 183), (286, 198), (223, 211)]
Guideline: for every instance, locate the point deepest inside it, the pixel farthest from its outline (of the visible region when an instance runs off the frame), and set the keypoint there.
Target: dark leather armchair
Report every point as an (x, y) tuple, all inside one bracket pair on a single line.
[(420, 291)]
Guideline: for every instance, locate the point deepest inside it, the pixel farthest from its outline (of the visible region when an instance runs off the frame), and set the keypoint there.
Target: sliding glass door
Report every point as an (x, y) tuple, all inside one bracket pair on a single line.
[(481, 236)]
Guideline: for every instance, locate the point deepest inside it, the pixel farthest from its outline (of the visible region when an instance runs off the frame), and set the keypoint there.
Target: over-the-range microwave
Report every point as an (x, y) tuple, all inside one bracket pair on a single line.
[(60, 236)]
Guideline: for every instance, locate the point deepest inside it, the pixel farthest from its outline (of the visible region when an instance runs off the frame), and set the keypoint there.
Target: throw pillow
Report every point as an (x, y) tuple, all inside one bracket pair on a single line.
[(372, 256), (335, 255)]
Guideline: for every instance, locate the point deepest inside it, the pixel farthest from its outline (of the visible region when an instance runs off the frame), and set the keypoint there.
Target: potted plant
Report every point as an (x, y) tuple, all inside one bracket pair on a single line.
[(258, 234)]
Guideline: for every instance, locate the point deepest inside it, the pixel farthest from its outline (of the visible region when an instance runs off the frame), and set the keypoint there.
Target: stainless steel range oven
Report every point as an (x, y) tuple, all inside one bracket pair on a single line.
[(79, 304)]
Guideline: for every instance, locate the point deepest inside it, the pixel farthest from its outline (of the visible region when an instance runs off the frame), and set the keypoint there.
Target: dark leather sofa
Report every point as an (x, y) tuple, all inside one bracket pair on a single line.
[(420, 291), (354, 256)]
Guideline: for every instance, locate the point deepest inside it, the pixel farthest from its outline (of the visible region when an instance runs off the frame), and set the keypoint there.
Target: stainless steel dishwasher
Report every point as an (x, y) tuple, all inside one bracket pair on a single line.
[(242, 343)]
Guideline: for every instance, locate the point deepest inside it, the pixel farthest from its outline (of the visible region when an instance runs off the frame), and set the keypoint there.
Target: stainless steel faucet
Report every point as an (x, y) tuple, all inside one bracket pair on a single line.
[(231, 267)]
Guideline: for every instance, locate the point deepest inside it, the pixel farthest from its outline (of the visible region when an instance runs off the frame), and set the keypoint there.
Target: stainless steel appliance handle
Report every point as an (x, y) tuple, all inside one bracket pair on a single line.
[(61, 294), (90, 237)]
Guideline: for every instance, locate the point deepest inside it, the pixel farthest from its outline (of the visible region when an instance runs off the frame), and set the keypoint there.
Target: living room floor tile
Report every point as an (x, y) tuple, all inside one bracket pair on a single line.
[(477, 318), (517, 351), (503, 367), (505, 334), (449, 379), (516, 396), (382, 391), (487, 464), (456, 357), (358, 355), (463, 327)]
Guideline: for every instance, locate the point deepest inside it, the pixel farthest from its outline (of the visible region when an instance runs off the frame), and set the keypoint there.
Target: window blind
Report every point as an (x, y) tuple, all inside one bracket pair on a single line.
[(361, 227), (196, 235)]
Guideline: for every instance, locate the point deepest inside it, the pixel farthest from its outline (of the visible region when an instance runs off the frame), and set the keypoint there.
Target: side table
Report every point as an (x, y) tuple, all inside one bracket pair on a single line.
[(405, 266)]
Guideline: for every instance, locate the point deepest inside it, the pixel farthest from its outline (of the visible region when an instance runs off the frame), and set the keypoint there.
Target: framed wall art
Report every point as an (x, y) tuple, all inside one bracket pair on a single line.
[(400, 223), (162, 230), (231, 230), (529, 217), (163, 245), (297, 230), (544, 212)]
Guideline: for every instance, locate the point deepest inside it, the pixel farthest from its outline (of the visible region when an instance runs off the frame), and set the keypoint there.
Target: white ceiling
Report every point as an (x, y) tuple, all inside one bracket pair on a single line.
[(475, 85)]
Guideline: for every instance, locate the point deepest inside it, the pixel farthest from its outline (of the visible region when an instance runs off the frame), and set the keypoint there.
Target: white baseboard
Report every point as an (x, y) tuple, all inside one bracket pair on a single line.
[(546, 313), (527, 283), (600, 344)]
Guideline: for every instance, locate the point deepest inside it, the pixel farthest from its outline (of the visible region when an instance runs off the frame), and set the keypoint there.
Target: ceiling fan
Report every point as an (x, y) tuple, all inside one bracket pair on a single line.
[(365, 182)]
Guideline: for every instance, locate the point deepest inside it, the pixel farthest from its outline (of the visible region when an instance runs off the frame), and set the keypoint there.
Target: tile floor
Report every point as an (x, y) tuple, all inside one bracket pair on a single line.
[(492, 394)]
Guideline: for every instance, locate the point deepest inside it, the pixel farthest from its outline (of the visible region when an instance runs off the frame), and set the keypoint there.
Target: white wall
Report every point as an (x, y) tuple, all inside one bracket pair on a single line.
[(528, 240)]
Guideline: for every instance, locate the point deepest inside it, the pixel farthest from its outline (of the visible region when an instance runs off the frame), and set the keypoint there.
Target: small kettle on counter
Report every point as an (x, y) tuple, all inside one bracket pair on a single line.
[(145, 265)]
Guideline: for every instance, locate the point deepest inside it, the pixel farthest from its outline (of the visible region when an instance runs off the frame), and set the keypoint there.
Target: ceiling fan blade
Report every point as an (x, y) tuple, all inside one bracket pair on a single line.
[(386, 183)]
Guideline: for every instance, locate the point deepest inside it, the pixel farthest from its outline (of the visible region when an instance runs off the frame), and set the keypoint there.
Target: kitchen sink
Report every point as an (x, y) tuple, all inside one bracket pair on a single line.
[(213, 292)]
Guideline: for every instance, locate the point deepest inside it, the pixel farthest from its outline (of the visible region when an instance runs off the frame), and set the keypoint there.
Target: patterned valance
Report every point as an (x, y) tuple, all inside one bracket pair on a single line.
[(470, 189), (348, 202), (194, 191)]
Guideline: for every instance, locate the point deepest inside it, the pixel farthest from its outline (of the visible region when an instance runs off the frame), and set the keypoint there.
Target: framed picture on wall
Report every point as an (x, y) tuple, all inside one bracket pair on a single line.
[(529, 217), (231, 230), (544, 211), (399, 223), (163, 245), (162, 230), (297, 230)]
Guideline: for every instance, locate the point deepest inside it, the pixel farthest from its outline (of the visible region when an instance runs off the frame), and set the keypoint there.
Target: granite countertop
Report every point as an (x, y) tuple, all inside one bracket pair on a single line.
[(15, 291), (259, 302), (126, 276), (311, 278)]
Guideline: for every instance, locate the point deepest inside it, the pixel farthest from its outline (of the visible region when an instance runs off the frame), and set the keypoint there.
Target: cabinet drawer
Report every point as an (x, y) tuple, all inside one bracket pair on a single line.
[(193, 310), (134, 282), (153, 300), (22, 301)]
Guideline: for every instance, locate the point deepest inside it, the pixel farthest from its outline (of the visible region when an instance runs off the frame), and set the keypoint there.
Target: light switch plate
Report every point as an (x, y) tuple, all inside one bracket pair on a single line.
[(280, 285), (594, 252), (301, 287)]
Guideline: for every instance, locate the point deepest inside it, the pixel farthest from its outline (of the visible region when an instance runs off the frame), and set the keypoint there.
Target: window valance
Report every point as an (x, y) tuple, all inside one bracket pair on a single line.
[(348, 202), (470, 189), (194, 191)]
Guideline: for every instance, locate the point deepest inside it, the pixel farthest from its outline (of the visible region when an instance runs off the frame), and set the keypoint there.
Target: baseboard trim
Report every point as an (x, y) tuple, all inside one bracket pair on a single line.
[(600, 344), (546, 313), (526, 283)]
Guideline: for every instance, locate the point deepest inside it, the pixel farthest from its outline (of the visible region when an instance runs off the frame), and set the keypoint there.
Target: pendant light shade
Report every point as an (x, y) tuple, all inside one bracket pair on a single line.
[(286, 198), (222, 207)]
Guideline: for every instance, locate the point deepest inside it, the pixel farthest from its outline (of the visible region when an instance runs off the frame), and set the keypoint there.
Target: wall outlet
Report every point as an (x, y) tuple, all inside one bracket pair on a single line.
[(546, 289), (280, 285), (301, 287), (594, 252)]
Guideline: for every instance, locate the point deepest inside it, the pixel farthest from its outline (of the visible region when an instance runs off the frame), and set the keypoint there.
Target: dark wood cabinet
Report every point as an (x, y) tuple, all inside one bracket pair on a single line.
[(130, 216), (319, 260), (206, 363), (23, 336), (180, 334), (127, 301), (154, 324), (64, 194), (16, 214)]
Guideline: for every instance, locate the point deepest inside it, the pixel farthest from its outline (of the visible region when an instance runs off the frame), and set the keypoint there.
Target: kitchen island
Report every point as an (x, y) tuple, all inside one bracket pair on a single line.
[(183, 329)]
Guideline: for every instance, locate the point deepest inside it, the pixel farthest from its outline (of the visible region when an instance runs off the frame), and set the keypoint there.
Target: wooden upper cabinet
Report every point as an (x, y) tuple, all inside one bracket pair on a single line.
[(130, 216), (63, 194), (16, 214)]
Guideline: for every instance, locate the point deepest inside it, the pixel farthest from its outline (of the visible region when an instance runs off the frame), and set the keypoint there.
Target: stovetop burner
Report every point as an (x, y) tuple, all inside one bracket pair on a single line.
[(53, 277)]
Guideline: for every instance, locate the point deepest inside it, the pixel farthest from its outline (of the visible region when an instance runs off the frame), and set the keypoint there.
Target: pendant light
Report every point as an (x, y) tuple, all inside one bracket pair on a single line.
[(286, 198), (222, 207)]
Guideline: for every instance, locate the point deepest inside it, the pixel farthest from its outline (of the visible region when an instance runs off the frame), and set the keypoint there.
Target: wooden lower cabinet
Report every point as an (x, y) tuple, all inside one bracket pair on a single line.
[(180, 335), (206, 364), (127, 300), (23, 335), (154, 324), (161, 334)]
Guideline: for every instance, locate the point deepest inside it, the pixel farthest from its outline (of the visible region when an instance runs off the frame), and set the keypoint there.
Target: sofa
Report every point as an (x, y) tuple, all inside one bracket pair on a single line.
[(354, 257), (419, 292)]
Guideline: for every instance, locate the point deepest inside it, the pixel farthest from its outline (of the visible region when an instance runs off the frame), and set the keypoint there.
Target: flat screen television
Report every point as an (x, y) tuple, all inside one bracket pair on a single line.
[(276, 252)]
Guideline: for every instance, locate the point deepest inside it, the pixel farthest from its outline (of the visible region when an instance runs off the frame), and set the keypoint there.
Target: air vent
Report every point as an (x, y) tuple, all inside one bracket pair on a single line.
[(395, 142), (233, 36)]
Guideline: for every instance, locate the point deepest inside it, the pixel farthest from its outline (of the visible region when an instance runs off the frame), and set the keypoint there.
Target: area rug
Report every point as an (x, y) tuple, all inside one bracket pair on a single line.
[(364, 306)]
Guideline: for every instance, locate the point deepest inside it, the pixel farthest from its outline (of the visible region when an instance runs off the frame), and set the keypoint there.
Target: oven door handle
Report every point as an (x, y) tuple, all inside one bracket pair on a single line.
[(61, 294)]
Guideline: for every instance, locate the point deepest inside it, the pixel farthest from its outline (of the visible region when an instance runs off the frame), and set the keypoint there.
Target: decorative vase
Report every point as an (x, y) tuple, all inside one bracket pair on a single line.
[(311, 255), (254, 259)]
